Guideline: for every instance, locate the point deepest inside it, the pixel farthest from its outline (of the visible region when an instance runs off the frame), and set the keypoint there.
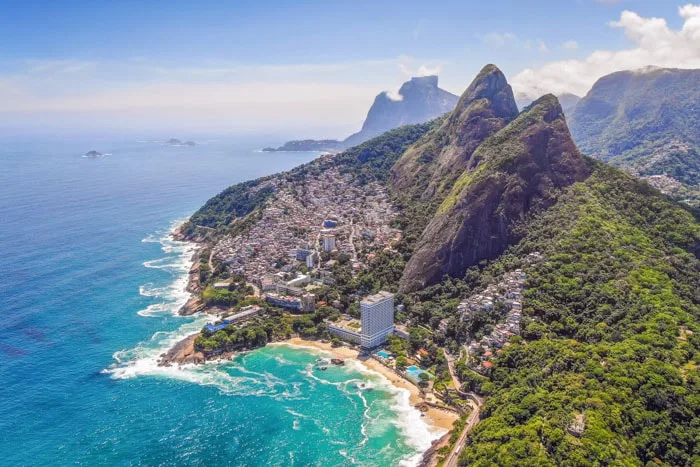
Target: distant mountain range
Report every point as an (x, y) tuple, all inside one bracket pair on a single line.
[(645, 121), (419, 100)]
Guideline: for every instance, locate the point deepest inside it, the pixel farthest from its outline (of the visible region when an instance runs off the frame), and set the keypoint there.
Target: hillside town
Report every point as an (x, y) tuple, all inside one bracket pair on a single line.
[(505, 296), (325, 213)]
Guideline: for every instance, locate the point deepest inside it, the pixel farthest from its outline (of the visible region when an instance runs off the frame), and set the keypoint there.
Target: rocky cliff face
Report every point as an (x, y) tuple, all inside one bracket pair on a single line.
[(418, 101), (430, 167), (514, 172)]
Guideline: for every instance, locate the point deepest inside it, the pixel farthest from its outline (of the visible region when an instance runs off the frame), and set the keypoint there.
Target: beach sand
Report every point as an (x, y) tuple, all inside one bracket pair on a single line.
[(439, 418)]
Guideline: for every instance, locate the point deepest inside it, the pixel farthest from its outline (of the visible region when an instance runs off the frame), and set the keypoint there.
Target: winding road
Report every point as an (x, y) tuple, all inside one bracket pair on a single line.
[(474, 401)]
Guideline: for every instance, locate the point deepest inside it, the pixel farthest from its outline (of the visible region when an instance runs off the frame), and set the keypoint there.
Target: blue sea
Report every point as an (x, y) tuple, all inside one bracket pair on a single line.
[(90, 284)]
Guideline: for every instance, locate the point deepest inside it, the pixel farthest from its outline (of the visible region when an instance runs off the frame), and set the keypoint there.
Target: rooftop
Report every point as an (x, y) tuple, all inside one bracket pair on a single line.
[(378, 297)]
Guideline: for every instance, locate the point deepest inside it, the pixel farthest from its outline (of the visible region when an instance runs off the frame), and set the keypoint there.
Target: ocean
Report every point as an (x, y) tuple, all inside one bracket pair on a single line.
[(89, 290)]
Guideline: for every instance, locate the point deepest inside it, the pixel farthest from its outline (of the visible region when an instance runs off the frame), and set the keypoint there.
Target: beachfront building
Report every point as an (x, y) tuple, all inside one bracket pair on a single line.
[(344, 332), (377, 313), (376, 323)]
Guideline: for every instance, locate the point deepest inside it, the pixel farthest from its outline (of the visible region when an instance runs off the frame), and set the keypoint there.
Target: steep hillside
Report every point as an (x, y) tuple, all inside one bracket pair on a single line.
[(369, 161), (513, 173), (630, 115), (609, 335), (419, 100), (568, 101), (428, 169)]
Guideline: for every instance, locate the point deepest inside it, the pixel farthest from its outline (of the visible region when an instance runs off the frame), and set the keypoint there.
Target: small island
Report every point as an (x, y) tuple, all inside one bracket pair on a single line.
[(177, 142), (93, 154), (326, 145)]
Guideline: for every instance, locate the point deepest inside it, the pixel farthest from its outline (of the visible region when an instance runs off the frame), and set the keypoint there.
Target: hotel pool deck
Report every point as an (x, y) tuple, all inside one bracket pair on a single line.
[(383, 354), (415, 372)]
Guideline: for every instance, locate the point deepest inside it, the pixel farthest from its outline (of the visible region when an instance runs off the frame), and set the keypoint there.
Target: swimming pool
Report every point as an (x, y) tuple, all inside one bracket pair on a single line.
[(415, 372), (384, 354)]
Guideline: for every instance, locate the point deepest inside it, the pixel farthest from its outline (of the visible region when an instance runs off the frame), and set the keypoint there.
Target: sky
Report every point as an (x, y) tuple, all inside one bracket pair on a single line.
[(306, 68)]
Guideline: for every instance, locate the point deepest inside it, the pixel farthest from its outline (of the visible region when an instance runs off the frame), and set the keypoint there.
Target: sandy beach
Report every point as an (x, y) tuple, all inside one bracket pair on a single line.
[(439, 418)]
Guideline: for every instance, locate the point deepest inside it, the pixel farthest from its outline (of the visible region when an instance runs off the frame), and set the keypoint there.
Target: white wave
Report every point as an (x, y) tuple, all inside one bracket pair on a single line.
[(418, 434)]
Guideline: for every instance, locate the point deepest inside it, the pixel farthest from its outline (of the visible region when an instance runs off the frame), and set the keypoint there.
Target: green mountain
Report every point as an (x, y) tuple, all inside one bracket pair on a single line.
[(514, 172), (645, 121), (602, 369)]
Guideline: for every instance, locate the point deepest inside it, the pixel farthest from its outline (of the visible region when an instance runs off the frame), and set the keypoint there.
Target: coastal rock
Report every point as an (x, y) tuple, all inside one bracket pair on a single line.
[(325, 145), (193, 305), (93, 154), (182, 353)]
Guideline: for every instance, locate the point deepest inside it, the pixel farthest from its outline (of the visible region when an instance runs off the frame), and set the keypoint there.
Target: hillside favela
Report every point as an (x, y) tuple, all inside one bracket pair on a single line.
[(350, 233)]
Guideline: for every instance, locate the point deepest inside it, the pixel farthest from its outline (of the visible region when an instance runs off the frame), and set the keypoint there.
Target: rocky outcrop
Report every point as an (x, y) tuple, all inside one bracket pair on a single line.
[(514, 172), (429, 168), (419, 100), (182, 353)]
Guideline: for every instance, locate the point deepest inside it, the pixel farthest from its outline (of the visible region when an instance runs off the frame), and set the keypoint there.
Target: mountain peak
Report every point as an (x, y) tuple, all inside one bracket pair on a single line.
[(430, 80), (485, 107), (518, 169), (490, 84), (420, 100)]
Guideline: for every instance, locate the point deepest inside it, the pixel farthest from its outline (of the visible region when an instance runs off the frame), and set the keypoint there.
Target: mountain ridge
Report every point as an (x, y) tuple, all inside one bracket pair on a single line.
[(511, 173), (419, 100)]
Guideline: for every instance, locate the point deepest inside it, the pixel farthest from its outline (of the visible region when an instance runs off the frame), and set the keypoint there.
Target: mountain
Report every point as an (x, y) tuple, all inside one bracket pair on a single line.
[(568, 101), (629, 115), (418, 100), (518, 170), (592, 362), (430, 167)]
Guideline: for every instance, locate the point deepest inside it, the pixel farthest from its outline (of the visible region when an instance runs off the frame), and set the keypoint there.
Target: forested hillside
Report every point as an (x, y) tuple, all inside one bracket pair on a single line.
[(611, 335)]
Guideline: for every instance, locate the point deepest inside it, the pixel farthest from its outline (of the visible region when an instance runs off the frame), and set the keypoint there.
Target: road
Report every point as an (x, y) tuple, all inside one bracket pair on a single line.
[(453, 456), (474, 401)]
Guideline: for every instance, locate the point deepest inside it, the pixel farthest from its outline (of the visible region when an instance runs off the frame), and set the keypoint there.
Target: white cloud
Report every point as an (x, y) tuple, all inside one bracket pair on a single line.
[(570, 45), (394, 96), (409, 70), (655, 44)]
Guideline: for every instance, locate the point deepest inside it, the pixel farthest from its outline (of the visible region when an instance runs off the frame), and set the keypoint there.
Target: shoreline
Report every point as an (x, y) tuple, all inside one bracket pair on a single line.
[(435, 417)]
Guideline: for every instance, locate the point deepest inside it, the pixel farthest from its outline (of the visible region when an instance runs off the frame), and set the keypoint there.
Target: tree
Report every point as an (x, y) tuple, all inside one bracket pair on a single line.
[(401, 362)]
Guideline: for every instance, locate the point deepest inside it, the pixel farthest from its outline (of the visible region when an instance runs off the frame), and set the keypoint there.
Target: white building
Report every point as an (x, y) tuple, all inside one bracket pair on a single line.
[(344, 333), (377, 319), (311, 260), (328, 242)]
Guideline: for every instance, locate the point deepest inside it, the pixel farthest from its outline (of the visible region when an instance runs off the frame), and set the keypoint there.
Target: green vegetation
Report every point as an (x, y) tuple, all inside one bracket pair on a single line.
[(373, 159), (274, 325), (234, 202), (611, 333)]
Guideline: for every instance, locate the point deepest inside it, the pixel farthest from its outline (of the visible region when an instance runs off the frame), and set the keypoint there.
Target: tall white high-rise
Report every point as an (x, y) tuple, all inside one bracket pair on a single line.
[(377, 319), (328, 242)]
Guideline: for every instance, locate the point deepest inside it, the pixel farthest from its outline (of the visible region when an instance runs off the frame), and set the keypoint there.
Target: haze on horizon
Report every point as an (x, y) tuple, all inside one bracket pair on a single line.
[(312, 68)]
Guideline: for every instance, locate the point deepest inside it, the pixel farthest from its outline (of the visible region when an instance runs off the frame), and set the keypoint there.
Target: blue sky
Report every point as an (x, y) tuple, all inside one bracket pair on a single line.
[(312, 66)]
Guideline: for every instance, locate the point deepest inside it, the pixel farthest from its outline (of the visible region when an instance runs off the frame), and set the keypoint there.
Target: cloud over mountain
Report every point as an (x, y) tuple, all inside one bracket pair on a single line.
[(655, 44)]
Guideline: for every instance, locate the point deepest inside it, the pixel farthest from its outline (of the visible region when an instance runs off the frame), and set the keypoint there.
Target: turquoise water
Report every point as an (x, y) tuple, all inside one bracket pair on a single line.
[(415, 372), (384, 354), (89, 290)]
